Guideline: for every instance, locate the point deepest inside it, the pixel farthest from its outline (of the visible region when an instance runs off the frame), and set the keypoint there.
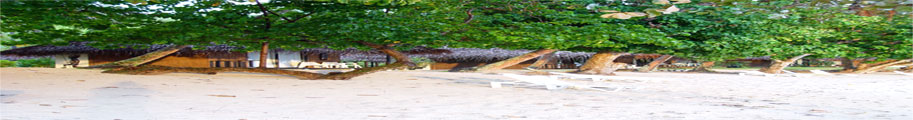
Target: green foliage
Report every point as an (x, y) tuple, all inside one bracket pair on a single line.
[(829, 29), (873, 37), (819, 63), (61, 22), (419, 60), (719, 33), (734, 64), (406, 27), (422, 61), (244, 23), (569, 25), (7, 63), (37, 62), (797, 33), (727, 30)]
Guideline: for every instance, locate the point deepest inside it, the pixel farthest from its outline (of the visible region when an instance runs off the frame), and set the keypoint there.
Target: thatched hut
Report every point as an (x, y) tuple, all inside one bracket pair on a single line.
[(81, 55), (458, 58), (227, 56), (208, 57), (809, 62), (753, 61)]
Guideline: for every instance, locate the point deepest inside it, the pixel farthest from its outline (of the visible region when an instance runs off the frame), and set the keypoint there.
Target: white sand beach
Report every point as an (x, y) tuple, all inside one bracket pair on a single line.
[(73, 94)]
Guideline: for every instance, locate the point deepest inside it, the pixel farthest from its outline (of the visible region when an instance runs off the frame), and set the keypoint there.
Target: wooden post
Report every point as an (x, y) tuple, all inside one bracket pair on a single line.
[(388, 60), (264, 52)]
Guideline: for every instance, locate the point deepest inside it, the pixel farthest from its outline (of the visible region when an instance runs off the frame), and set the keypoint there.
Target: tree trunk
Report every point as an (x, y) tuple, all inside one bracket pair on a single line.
[(705, 67), (544, 59), (601, 63), (399, 57), (776, 66), (870, 68), (848, 64), (513, 61), (652, 65), (264, 54), (143, 59), (402, 62)]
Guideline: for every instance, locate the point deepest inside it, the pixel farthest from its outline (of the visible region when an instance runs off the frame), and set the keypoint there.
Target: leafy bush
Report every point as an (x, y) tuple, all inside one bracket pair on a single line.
[(734, 64), (816, 63), (7, 63), (37, 62), (421, 62)]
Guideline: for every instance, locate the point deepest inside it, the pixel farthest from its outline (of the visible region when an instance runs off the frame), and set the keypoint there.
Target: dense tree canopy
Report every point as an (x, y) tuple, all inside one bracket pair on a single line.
[(574, 25), (706, 30)]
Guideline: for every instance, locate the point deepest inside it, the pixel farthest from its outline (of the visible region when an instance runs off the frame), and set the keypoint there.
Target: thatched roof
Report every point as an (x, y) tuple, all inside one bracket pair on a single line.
[(81, 47), (764, 58), (483, 55), (755, 58), (10, 57), (436, 54), (352, 51)]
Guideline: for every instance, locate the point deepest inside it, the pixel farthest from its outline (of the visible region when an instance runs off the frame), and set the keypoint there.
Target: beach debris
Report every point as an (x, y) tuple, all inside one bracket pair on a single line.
[(791, 73), (513, 116), (69, 106), (597, 78), (902, 73), (818, 111), (756, 73), (366, 95), (222, 95), (499, 84), (552, 83), (819, 72)]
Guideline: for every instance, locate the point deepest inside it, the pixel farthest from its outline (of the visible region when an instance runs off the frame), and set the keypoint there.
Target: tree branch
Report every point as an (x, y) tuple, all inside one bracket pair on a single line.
[(469, 13), (266, 11), (299, 17)]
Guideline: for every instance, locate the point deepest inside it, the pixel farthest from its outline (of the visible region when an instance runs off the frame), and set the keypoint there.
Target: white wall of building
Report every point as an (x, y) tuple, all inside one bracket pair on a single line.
[(254, 57), (61, 59), (285, 58)]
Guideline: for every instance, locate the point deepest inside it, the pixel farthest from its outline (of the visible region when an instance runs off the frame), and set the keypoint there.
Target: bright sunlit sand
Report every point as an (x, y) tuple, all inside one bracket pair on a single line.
[(45, 93)]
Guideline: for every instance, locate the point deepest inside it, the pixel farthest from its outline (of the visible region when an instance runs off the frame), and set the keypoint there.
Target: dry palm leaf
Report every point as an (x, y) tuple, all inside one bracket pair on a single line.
[(670, 10), (623, 15), (681, 1)]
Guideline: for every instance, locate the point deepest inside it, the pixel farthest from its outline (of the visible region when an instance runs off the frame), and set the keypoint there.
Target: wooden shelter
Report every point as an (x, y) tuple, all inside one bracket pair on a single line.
[(459, 58), (227, 56), (81, 55), (209, 57)]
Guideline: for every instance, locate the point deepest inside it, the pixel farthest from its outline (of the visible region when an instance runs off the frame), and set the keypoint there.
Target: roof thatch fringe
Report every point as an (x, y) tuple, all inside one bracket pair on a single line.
[(81, 47), (352, 51), (9, 57), (819, 59), (129, 50), (436, 54), (482, 55)]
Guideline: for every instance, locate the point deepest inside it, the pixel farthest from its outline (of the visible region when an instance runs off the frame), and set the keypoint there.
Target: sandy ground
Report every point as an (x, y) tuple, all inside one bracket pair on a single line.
[(44, 93)]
